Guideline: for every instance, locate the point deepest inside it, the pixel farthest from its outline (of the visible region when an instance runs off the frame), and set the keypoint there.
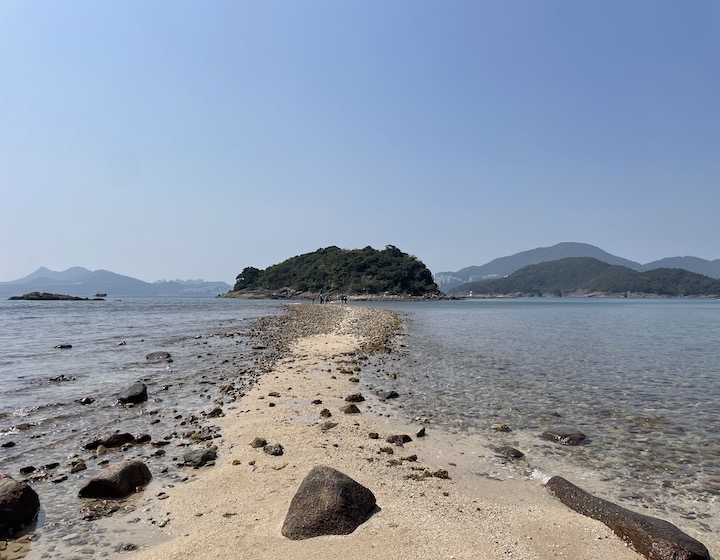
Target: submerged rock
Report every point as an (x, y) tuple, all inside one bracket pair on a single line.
[(652, 537), (327, 502), (19, 505), (564, 435), (117, 481)]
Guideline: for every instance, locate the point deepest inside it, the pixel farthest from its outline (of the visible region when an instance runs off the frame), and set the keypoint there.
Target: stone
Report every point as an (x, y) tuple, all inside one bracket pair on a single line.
[(274, 449), (398, 439), (200, 457), (19, 505), (355, 397), (509, 452), (115, 440), (136, 393), (564, 435), (500, 428), (350, 409), (157, 356), (385, 395), (117, 481), (328, 426), (258, 442), (421, 432), (652, 537), (327, 502), (86, 400)]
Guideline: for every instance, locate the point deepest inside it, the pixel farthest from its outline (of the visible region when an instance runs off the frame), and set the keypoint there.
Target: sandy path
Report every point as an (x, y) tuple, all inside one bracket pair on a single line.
[(236, 508)]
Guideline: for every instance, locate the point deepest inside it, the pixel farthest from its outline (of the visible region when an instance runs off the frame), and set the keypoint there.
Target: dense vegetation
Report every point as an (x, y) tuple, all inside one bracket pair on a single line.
[(582, 275), (356, 271)]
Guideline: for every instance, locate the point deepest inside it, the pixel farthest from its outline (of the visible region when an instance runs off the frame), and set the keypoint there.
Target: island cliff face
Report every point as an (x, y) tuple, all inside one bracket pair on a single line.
[(353, 272)]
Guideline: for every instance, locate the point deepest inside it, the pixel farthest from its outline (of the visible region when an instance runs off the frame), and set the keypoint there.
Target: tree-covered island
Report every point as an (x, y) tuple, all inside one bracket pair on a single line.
[(354, 272)]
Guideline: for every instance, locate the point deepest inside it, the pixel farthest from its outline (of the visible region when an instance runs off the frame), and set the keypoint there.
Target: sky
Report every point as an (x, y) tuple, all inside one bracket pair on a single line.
[(189, 139)]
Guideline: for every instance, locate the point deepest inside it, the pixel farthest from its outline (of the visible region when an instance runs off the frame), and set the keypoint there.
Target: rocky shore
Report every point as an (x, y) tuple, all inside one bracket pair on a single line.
[(436, 496)]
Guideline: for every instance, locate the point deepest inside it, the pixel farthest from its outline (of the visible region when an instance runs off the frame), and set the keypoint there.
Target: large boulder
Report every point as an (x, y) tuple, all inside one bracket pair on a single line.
[(328, 502), (136, 393), (19, 505), (652, 537), (117, 481)]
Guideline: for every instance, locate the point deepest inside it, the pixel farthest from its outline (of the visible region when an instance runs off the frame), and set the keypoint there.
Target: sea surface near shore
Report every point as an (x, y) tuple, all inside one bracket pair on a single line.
[(457, 384)]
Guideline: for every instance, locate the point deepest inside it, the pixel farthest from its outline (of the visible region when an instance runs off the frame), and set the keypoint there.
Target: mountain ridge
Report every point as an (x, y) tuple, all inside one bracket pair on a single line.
[(504, 266), (79, 281)]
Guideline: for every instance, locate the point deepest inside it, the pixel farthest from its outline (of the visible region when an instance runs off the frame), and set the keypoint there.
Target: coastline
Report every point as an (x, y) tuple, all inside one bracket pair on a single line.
[(482, 511)]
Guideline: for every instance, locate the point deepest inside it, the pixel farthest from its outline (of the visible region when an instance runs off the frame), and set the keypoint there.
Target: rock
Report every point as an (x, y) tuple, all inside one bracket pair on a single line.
[(374, 435), (64, 346), (115, 440), (385, 395), (274, 449), (77, 467), (398, 439), (325, 413), (61, 378), (316, 401), (509, 452), (328, 426), (350, 409), (328, 502), (8, 444), (157, 356), (564, 435), (117, 481), (652, 537), (421, 432), (355, 397), (19, 505), (27, 470), (86, 400), (258, 442), (143, 438), (200, 457), (136, 393), (216, 412), (501, 428)]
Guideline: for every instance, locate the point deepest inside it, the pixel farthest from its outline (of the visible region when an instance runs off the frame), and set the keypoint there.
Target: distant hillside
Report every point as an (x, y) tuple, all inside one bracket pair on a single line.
[(507, 265), (78, 281), (585, 275), (356, 271), (693, 264)]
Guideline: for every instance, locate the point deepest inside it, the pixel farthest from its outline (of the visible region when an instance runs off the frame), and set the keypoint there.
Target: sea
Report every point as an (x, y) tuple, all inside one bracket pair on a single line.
[(639, 377)]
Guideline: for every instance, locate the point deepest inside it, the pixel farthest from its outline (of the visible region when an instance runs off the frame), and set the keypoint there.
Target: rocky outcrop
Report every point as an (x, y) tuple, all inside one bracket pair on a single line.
[(328, 502), (44, 296), (654, 538), (117, 481), (136, 393), (19, 505)]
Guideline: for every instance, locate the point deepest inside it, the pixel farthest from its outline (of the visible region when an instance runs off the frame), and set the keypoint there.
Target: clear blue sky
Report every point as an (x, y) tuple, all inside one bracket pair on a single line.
[(177, 139)]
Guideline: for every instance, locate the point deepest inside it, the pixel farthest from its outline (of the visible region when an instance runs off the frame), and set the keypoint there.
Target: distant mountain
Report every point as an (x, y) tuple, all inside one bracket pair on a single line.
[(693, 264), (507, 265), (78, 281), (587, 276)]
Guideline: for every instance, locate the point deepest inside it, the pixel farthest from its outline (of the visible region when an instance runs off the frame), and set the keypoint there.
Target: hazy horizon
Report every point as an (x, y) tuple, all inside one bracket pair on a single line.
[(185, 140)]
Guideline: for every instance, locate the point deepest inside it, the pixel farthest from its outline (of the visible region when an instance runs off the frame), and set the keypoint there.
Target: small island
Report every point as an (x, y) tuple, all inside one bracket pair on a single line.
[(333, 273), (44, 296)]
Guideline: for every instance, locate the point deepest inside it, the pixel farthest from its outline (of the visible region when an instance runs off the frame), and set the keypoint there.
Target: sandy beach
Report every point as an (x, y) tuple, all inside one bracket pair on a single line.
[(487, 509)]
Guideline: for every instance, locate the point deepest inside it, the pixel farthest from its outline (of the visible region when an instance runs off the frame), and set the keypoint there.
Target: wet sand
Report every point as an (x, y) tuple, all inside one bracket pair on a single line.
[(236, 508)]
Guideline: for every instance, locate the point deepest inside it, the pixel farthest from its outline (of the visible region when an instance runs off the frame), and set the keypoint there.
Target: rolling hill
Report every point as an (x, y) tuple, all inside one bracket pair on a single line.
[(580, 276)]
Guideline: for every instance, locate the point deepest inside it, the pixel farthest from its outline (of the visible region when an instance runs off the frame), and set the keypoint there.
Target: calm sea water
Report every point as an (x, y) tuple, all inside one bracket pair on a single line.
[(641, 378)]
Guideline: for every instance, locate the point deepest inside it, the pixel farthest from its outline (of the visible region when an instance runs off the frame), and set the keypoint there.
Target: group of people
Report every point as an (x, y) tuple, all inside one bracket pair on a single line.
[(325, 298)]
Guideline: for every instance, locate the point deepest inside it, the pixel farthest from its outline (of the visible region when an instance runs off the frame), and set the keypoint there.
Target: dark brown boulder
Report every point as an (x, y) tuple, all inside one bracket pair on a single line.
[(117, 481), (19, 505), (564, 435), (136, 393), (652, 537), (328, 502)]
